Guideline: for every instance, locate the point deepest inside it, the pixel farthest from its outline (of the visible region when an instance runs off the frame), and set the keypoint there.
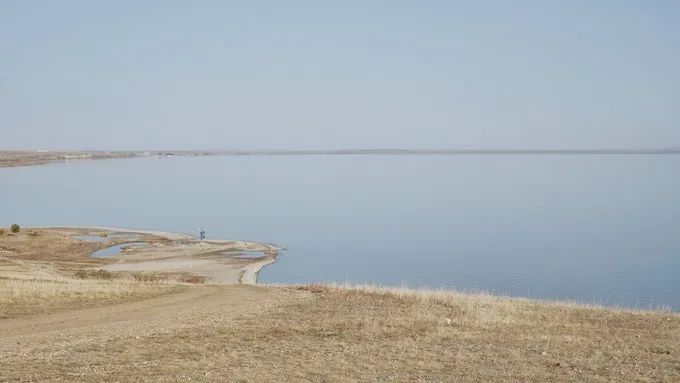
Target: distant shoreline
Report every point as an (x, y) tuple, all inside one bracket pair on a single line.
[(14, 158)]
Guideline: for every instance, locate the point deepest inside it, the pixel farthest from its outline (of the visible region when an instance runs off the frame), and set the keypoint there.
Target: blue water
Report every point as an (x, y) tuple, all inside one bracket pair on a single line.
[(91, 238), (599, 229), (115, 249)]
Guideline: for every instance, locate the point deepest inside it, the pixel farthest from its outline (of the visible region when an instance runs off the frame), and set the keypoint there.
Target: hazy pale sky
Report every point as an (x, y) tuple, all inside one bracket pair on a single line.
[(343, 74)]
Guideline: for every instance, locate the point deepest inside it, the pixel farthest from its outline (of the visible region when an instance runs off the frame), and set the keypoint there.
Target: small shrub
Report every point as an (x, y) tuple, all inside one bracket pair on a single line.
[(314, 288), (15, 228), (2, 231), (148, 277), (94, 274), (193, 279), (33, 233)]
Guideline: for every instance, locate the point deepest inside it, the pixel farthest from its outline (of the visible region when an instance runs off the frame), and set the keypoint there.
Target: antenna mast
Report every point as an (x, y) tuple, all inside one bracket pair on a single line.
[(201, 231)]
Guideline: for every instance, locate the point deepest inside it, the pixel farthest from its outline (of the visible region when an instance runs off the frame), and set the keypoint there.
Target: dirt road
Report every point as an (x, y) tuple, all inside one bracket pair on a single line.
[(241, 333), (42, 340), (136, 318)]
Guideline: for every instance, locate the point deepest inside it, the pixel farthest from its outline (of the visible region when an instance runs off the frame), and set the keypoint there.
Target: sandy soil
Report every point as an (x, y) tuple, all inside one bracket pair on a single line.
[(136, 318)]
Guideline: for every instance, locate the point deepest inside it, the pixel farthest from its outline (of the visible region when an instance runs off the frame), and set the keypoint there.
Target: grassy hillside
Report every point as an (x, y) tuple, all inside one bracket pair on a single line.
[(343, 333)]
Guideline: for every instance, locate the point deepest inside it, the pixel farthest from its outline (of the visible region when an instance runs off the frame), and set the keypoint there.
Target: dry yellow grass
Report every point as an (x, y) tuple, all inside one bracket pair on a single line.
[(347, 334), (368, 333), (45, 245), (29, 296), (37, 269)]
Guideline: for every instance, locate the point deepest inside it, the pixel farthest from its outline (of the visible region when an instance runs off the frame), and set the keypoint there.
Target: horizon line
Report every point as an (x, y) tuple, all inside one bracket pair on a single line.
[(649, 150)]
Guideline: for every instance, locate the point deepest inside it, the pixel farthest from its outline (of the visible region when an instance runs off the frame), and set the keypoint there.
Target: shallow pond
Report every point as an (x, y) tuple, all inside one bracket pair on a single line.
[(116, 249), (91, 238)]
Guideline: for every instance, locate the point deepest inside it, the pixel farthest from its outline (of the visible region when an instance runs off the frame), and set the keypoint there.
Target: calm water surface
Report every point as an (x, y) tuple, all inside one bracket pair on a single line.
[(601, 229)]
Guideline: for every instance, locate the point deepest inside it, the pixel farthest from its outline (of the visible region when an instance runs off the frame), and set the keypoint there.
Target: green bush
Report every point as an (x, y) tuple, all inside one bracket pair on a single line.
[(15, 228)]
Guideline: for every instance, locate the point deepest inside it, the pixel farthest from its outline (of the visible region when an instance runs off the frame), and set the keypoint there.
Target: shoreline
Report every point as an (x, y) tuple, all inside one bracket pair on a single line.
[(19, 158), (218, 261), (62, 308)]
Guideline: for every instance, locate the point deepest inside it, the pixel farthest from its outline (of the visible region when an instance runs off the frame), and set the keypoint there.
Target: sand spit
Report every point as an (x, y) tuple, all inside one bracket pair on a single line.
[(217, 260), (42, 157), (154, 254)]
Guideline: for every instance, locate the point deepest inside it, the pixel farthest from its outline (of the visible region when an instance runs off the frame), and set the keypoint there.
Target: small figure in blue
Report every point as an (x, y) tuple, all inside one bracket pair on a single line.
[(202, 234)]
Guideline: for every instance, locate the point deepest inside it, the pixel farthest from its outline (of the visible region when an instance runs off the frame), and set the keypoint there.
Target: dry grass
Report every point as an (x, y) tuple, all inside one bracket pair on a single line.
[(45, 245), (346, 334), (476, 300), (30, 296), (175, 277)]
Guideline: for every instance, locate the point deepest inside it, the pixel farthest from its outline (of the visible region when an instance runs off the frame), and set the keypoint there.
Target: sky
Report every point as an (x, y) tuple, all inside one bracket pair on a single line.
[(117, 75)]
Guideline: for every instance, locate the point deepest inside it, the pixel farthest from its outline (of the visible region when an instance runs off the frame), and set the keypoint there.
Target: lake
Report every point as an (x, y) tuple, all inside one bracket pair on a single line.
[(592, 228)]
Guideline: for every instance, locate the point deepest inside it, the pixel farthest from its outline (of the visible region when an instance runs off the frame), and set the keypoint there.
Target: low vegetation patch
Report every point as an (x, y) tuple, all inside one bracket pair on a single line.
[(94, 274), (192, 279), (170, 277), (149, 277)]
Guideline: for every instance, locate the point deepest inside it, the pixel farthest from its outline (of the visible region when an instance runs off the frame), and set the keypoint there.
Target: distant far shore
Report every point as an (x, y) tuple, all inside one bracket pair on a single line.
[(13, 158)]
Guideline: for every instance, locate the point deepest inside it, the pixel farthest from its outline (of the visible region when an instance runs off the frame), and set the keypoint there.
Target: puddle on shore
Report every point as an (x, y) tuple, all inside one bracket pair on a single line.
[(116, 249), (91, 238), (245, 254)]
